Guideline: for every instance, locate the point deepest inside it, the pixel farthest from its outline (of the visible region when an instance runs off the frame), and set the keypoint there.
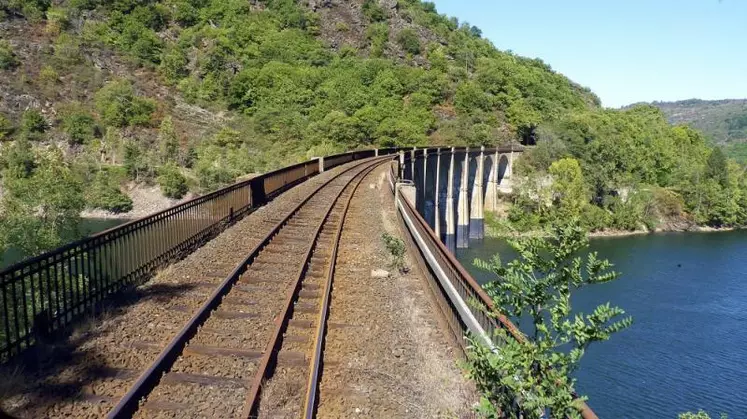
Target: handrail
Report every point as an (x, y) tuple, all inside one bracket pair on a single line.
[(43, 294), (460, 278)]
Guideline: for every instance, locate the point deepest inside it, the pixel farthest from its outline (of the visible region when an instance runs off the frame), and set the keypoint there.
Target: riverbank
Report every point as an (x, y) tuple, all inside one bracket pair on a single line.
[(146, 200), (498, 229)]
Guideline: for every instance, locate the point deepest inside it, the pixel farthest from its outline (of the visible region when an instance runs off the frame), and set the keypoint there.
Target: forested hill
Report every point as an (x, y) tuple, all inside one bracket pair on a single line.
[(723, 121), (188, 95)]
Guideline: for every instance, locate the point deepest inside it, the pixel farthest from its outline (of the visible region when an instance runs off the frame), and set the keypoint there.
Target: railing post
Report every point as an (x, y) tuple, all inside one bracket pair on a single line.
[(321, 164)]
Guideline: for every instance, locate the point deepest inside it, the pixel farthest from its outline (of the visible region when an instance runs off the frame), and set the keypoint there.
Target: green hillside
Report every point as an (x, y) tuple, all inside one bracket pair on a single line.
[(191, 94), (723, 121)]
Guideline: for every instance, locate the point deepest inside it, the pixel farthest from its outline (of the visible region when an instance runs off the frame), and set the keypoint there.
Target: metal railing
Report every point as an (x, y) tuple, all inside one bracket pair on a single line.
[(40, 296), (463, 302)]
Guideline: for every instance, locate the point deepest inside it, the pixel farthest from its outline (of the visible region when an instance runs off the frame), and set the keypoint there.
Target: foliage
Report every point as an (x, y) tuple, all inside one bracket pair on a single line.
[(173, 184), (373, 11), (532, 374), (137, 162), (119, 106), (79, 125), (168, 143), (32, 10), (104, 193), (6, 127), (41, 207), (33, 124), (8, 59), (396, 248), (409, 41)]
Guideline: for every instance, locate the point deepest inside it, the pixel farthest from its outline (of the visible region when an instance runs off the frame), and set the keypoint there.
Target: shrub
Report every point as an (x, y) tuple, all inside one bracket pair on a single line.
[(33, 124), (396, 248), (119, 106), (8, 59), (67, 49), (173, 184), (80, 126), (137, 163), (6, 127), (378, 34), (32, 10), (104, 193), (48, 75), (409, 41), (57, 20), (342, 27), (373, 11)]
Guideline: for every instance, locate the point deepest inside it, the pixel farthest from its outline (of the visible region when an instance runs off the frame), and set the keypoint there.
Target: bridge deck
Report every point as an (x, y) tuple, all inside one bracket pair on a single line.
[(384, 367)]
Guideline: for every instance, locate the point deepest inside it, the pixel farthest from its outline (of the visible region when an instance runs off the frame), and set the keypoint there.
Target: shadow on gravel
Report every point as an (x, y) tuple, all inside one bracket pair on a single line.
[(61, 368)]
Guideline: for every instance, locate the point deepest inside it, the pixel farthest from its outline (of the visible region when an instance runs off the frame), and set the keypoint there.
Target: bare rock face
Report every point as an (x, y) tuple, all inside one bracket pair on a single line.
[(379, 274)]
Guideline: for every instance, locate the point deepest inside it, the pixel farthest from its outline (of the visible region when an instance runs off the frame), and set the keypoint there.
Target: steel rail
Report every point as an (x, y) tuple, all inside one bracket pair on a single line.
[(145, 383), (269, 357), (316, 361)]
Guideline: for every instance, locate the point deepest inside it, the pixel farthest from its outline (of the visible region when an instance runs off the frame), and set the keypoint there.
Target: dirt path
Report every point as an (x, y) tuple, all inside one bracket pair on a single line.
[(387, 355)]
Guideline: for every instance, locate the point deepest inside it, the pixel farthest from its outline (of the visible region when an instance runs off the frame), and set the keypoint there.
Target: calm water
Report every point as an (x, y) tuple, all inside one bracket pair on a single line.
[(687, 348), (87, 227)]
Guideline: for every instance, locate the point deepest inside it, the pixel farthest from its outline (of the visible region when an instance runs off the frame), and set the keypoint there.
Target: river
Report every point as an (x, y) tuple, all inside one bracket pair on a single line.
[(86, 227), (687, 348)]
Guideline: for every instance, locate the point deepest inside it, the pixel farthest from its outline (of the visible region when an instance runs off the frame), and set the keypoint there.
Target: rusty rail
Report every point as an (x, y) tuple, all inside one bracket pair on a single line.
[(129, 403), (42, 295)]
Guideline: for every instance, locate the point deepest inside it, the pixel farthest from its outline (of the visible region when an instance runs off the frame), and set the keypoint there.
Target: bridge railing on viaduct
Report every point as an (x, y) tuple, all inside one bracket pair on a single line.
[(42, 295), (462, 301)]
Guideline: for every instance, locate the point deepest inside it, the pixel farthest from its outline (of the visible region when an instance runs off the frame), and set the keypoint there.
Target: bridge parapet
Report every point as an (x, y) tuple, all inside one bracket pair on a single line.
[(44, 294), (464, 304)]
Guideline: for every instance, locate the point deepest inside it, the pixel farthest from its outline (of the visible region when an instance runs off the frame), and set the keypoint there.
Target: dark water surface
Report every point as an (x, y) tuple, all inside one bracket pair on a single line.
[(86, 227), (687, 348)]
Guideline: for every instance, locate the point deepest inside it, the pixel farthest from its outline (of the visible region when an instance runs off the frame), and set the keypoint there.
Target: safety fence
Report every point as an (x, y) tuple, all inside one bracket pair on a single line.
[(43, 294), (462, 301)]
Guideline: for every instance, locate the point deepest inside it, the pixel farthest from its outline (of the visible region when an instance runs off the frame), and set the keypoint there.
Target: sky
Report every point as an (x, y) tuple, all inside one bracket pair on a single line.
[(626, 51)]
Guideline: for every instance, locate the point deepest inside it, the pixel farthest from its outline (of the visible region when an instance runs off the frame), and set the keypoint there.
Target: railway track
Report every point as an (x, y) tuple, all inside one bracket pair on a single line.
[(255, 347)]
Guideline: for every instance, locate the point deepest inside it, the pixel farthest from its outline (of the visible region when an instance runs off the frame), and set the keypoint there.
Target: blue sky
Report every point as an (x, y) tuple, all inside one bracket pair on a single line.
[(626, 51)]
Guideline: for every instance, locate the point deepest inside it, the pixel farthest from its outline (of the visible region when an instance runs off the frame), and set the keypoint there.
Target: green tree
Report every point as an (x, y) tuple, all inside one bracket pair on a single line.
[(33, 124), (531, 374), (168, 143), (41, 211), (104, 193), (8, 59), (6, 127), (569, 190), (119, 106), (79, 126), (172, 182), (409, 41)]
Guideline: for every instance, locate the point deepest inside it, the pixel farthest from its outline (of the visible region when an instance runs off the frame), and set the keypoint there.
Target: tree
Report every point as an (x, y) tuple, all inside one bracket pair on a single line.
[(8, 59), (104, 193), (173, 184), (119, 106), (533, 373), (168, 143), (79, 126), (33, 124), (409, 41), (569, 189), (716, 167), (41, 211)]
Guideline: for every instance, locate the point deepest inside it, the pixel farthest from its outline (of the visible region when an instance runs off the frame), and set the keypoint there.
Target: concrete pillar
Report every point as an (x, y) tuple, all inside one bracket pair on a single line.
[(437, 200), (476, 211), (462, 233), (450, 220), (376, 152), (510, 167), (321, 164), (401, 164), (491, 193), (412, 164)]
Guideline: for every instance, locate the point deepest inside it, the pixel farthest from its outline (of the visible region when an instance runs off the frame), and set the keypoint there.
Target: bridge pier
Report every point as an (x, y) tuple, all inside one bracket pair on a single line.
[(450, 221), (491, 193), (462, 233), (477, 216), (437, 197)]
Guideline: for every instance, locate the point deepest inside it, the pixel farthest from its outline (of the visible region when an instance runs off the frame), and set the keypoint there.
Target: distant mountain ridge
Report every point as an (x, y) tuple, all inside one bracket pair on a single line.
[(724, 122)]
